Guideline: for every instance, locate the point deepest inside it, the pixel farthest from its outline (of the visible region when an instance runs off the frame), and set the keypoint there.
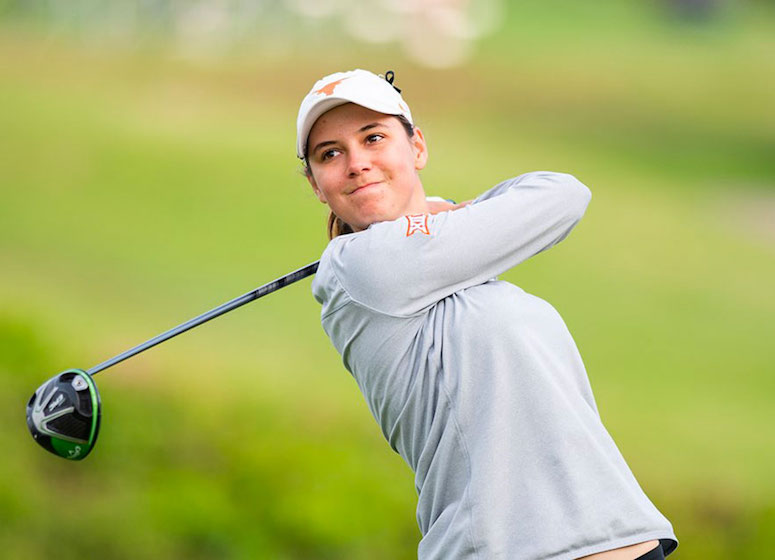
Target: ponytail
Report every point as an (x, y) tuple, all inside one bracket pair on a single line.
[(337, 226)]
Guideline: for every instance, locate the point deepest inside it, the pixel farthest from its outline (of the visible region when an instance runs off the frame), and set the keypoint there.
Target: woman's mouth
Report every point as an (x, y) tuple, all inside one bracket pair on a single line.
[(366, 186)]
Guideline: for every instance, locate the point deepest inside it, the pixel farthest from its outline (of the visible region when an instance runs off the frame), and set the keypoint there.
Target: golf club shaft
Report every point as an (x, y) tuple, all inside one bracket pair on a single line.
[(261, 291)]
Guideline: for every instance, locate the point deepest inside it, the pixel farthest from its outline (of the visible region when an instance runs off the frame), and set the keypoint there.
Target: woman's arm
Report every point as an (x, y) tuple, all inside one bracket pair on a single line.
[(403, 266)]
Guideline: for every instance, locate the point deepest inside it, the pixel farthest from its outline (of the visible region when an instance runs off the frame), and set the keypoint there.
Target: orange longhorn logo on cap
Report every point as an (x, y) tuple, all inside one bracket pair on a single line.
[(328, 89)]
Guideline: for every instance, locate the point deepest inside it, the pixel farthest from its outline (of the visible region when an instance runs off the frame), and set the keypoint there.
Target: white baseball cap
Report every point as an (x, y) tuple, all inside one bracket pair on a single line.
[(356, 86)]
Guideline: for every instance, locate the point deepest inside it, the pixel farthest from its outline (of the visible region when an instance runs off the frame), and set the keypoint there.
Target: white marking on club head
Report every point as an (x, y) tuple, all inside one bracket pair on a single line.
[(40, 420), (79, 383), (56, 402)]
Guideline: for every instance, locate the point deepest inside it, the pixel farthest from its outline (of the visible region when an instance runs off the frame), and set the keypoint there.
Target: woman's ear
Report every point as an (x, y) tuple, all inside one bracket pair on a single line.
[(420, 149), (314, 185)]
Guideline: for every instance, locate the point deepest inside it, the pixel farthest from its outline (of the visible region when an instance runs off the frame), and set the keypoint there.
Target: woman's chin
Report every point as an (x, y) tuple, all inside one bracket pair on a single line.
[(365, 219)]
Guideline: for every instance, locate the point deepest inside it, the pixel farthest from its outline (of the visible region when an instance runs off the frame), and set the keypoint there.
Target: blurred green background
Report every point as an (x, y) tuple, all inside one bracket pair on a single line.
[(147, 174)]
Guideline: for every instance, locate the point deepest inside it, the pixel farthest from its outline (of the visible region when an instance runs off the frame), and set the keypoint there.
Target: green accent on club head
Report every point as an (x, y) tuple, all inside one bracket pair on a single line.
[(95, 406), (70, 450), (77, 451)]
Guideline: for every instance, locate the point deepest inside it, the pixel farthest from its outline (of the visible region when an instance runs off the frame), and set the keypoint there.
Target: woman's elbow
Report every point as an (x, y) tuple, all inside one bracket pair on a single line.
[(578, 195)]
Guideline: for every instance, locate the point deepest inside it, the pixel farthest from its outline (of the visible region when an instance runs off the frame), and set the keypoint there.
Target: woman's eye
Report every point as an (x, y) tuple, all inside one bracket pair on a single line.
[(371, 138), (328, 154)]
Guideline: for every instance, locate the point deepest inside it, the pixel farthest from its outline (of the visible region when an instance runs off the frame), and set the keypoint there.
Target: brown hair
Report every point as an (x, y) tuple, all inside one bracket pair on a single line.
[(336, 225)]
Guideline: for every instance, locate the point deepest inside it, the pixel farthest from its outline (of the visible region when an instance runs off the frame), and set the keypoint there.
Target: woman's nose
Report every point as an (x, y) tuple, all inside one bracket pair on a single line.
[(358, 162)]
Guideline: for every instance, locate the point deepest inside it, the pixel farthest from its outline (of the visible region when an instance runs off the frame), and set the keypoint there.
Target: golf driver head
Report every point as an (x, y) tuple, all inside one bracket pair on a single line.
[(64, 414)]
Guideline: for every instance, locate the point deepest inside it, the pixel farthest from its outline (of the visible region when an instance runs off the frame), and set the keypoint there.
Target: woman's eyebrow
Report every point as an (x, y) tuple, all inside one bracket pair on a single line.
[(322, 144)]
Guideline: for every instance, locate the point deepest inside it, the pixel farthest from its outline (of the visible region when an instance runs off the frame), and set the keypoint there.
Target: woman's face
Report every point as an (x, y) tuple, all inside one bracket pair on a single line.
[(365, 167)]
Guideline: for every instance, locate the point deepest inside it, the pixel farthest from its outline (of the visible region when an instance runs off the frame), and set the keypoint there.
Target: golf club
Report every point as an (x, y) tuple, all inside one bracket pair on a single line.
[(63, 415)]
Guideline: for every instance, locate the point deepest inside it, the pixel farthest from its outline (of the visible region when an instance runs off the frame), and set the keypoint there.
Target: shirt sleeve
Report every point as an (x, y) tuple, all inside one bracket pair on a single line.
[(403, 266)]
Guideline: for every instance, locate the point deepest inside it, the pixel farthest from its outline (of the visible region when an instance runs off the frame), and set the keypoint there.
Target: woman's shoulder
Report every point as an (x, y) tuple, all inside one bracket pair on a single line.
[(343, 256), (371, 267), (326, 287)]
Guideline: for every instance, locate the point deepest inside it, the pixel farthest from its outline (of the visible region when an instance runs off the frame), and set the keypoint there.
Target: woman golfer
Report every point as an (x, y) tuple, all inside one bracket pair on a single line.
[(477, 384)]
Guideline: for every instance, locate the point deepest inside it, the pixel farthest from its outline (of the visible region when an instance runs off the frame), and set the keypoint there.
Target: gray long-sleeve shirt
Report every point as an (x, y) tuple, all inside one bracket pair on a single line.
[(478, 385)]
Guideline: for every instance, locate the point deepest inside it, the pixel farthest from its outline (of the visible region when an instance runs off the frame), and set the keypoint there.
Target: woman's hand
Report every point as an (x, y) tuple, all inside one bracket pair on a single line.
[(436, 206)]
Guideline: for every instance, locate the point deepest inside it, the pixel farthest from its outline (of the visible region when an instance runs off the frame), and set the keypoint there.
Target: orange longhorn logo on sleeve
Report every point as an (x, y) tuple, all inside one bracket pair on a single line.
[(418, 222), (329, 88)]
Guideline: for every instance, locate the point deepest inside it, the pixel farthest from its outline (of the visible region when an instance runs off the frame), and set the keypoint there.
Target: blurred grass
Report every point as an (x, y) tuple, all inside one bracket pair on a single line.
[(140, 188)]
